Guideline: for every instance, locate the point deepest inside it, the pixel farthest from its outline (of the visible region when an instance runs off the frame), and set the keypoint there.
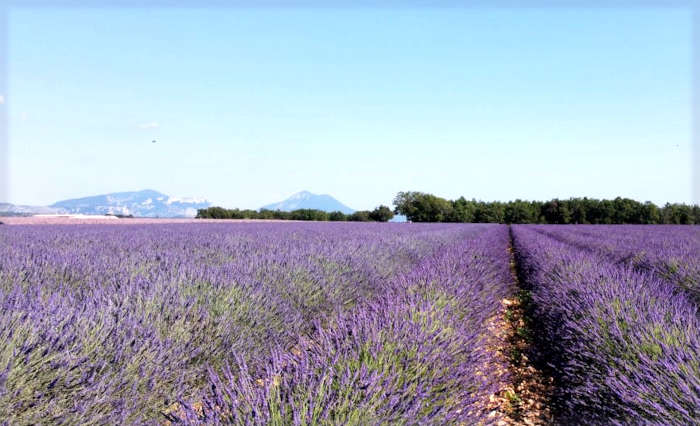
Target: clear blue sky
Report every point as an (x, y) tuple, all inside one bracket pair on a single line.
[(251, 105)]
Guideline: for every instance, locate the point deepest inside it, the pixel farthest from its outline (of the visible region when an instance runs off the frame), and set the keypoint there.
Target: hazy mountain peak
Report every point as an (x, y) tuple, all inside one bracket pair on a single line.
[(301, 195), (308, 200), (145, 203)]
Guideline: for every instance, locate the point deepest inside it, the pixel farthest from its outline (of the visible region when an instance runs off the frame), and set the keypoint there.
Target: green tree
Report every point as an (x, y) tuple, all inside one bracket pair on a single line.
[(421, 207), (359, 216), (405, 204), (337, 216), (309, 214), (577, 207), (462, 210), (519, 211), (650, 214), (489, 212), (381, 214)]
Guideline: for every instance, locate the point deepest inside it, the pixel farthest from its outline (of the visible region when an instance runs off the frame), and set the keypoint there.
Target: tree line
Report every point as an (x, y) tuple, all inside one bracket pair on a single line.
[(422, 207), (379, 214)]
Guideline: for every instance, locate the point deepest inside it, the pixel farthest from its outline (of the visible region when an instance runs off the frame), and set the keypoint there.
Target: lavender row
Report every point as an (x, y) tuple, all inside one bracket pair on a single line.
[(416, 355), (112, 324), (672, 252), (624, 345)]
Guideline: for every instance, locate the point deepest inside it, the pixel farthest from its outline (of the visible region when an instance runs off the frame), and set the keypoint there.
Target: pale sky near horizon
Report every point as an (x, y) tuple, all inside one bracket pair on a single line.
[(251, 105)]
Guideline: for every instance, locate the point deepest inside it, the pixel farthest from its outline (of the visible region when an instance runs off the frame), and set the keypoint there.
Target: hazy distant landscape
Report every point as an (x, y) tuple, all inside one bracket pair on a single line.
[(150, 203)]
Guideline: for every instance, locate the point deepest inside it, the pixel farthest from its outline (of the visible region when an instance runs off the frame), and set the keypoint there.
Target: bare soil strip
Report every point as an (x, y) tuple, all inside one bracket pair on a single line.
[(524, 399)]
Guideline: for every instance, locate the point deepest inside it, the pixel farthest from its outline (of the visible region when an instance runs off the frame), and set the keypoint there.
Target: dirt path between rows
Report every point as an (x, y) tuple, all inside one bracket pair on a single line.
[(524, 399)]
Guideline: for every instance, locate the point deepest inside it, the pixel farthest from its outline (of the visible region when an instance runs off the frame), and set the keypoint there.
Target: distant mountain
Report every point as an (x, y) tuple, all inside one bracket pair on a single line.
[(147, 203), (7, 209), (307, 200)]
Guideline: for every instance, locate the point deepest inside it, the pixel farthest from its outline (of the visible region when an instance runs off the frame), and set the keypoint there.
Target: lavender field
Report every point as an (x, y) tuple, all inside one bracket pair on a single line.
[(340, 323)]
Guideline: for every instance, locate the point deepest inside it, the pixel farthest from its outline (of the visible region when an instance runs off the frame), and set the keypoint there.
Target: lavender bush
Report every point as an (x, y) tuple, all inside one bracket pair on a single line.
[(624, 344), (671, 252)]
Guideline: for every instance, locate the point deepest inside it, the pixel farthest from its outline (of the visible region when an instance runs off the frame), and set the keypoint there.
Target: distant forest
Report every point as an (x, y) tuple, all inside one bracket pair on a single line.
[(380, 214), (422, 207)]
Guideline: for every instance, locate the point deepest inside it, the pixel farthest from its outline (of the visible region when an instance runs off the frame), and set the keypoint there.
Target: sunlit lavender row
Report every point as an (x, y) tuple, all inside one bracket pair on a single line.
[(670, 252), (415, 354), (247, 323), (623, 343)]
